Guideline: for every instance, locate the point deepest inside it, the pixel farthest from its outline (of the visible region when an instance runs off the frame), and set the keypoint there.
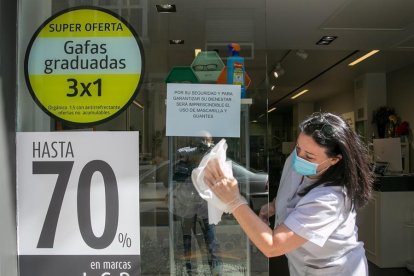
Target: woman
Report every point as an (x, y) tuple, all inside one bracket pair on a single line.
[(324, 180)]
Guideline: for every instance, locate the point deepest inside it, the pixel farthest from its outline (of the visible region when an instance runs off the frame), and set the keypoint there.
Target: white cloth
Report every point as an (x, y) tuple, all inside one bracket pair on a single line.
[(324, 219), (215, 206)]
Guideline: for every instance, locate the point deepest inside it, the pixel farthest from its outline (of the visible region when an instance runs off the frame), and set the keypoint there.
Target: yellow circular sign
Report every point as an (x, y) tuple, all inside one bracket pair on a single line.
[(84, 65)]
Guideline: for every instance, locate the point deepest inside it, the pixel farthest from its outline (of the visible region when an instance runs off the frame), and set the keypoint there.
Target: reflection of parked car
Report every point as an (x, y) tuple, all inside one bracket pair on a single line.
[(253, 184)]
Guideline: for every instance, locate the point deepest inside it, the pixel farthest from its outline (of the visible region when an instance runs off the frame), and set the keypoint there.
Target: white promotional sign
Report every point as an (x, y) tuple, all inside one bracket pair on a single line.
[(197, 109), (78, 203)]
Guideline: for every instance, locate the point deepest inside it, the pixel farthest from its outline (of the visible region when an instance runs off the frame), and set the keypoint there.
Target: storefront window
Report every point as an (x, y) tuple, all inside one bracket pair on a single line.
[(176, 237)]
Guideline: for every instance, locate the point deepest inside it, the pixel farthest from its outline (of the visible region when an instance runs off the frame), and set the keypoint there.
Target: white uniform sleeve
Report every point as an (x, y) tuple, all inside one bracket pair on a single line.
[(317, 214)]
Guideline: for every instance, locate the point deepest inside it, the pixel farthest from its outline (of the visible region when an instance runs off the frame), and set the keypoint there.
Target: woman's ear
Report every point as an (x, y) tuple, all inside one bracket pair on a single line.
[(336, 159)]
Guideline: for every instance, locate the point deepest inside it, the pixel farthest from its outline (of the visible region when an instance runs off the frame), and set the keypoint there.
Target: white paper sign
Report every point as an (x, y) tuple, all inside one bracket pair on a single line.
[(77, 195), (196, 109)]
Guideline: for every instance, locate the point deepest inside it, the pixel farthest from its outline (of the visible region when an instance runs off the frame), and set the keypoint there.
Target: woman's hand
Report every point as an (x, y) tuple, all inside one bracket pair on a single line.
[(226, 189)]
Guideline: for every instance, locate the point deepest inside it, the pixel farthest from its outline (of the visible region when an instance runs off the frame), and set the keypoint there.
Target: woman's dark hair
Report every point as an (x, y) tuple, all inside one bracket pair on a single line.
[(353, 170)]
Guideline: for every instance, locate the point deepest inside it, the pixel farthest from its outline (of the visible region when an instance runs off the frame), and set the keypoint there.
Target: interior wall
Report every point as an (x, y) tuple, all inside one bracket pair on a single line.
[(341, 103), (300, 112), (400, 96), (8, 251)]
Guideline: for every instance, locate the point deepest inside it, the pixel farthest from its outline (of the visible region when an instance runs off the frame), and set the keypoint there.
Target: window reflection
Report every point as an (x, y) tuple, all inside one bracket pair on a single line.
[(191, 214), (177, 240)]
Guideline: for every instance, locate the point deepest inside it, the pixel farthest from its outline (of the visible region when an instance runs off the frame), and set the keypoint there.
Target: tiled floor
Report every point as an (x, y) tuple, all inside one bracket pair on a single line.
[(278, 266)]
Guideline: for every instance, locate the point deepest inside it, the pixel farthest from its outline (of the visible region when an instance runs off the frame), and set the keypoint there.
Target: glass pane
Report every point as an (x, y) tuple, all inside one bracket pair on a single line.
[(176, 237)]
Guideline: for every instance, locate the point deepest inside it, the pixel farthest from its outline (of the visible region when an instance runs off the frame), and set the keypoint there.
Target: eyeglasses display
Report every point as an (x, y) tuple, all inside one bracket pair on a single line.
[(205, 67)]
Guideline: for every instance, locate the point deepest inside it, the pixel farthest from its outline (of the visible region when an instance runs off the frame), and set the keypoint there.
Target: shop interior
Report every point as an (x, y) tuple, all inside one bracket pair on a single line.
[(298, 57)]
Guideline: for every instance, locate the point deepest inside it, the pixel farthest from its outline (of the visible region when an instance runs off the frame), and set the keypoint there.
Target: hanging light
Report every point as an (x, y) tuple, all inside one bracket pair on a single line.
[(278, 71), (299, 94), (373, 52), (271, 110)]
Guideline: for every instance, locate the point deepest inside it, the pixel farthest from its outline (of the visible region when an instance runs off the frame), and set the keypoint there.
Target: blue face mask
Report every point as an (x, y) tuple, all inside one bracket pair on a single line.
[(304, 167)]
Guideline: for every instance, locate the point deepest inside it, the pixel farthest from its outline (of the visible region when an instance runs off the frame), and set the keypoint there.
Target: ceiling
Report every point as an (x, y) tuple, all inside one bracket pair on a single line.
[(272, 31)]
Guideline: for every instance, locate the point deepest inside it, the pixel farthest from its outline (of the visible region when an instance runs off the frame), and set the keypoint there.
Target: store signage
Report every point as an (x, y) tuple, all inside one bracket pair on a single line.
[(84, 65), (78, 203), (197, 109), (207, 65)]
